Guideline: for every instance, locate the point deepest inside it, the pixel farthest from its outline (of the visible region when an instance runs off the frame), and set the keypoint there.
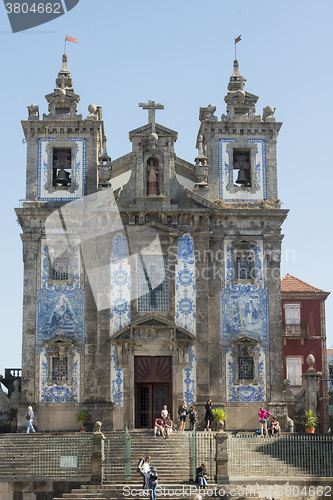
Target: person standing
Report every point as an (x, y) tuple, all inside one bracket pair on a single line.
[(30, 417), (263, 417), (144, 466), (182, 412), (151, 479), (193, 416), (208, 415), (164, 412)]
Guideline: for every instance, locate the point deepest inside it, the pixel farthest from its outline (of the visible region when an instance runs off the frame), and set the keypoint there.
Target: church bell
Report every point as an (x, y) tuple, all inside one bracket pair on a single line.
[(62, 177), (241, 179)]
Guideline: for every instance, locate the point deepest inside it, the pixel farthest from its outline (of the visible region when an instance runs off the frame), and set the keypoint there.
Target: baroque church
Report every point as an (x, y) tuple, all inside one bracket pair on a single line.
[(149, 279)]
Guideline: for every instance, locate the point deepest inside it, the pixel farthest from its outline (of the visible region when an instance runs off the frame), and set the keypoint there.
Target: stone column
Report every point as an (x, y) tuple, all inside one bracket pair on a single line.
[(98, 456), (221, 458)]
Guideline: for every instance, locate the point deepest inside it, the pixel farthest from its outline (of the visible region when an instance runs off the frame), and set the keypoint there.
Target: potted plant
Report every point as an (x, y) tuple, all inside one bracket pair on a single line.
[(310, 421), (220, 416), (82, 417)]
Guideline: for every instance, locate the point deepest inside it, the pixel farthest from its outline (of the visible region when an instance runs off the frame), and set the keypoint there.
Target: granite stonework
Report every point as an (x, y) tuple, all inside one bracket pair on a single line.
[(207, 331)]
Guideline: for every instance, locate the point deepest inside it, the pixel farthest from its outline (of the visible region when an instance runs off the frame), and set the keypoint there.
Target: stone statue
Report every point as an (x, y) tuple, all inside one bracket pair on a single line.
[(152, 180), (267, 114), (33, 111)]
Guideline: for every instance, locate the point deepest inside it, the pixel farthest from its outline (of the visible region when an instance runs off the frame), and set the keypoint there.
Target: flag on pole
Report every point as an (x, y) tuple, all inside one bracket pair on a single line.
[(238, 39), (71, 39)]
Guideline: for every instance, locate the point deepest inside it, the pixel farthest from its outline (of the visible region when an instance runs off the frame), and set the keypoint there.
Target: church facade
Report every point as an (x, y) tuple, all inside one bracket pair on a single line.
[(150, 280)]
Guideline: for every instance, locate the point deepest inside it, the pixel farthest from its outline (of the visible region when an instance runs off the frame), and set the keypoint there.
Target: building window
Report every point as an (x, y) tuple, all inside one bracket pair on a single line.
[(59, 368), (245, 367), (294, 371), (242, 167), (244, 260), (245, 359), (60, 356), (60, 269), (62, 168), (244, 266), (149, 272), (292, 314)]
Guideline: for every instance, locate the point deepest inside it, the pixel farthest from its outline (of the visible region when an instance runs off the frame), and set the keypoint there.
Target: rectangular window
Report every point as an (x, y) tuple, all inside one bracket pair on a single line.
[(330, 372), (150, 272), (60, 269), (62, 165), (244, 267), (294, 370), (59, 368), (292, 314), (242, 167), (245, 367)]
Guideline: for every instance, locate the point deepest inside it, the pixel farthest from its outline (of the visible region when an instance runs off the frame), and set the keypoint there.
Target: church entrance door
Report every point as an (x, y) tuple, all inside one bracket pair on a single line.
[(153, 387)]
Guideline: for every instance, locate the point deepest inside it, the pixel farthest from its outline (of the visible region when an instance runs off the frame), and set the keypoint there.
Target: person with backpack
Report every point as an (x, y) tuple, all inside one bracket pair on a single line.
[(143, 469), (193, 416), (151, 480), (182, 412), (30, 417)]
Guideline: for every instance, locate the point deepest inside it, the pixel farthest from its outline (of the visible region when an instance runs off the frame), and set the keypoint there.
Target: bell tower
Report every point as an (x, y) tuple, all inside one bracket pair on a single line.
[(64, 163), (236, 170)]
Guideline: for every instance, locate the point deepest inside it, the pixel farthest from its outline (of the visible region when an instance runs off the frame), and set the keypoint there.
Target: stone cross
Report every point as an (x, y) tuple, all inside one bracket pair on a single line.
[(151, 106)]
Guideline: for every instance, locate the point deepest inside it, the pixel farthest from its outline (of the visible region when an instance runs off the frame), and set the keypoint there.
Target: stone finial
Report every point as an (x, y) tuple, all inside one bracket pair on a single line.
[(33, 111), (267, 114), (98, 426), (64, 79), (310, 361), (92, 108)]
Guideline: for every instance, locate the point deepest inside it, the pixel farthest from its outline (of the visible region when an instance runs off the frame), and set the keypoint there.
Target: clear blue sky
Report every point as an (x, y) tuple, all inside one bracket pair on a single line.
[(179, 53)]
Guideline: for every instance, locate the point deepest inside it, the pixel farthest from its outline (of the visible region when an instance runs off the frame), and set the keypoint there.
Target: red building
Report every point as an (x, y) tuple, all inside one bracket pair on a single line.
[(304, 333)]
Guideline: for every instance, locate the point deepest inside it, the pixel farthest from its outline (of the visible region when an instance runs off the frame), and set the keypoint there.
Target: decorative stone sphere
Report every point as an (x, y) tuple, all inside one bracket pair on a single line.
[(198, 497), (153, 137), (92, 108), (62, 92), (98, 426)]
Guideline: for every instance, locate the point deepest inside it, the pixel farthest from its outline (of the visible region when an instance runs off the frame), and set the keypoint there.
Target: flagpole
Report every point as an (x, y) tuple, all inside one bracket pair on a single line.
[(65, 47)]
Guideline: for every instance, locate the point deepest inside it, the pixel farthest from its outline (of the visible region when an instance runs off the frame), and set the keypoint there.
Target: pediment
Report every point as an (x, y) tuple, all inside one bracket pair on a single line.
[(59, 340), (245, 343), (145, 131), (152, 328)]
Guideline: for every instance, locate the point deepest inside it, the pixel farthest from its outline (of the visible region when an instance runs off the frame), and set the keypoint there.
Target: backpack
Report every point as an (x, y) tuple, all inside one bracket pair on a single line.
[(140, 464), (153, 474)]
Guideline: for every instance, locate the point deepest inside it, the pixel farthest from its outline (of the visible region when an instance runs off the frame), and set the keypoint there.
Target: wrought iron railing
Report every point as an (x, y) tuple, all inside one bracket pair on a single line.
[(202, 450), (296, 455), (117, 449), (35, 455)]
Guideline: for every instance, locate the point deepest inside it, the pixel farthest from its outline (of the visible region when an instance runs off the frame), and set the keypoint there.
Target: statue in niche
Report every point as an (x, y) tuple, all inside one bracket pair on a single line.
[(152, 179)]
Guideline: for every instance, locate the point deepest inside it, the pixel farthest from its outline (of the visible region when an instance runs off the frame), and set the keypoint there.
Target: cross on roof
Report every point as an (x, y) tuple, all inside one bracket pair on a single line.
[(151, 106)]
